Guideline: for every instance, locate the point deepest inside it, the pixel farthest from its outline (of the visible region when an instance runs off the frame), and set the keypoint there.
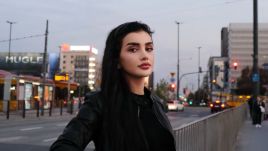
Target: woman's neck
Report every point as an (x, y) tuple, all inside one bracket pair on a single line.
[(136, 85)]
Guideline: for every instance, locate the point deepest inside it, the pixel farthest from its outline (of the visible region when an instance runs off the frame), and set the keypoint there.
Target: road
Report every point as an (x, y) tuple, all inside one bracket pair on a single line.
[(34, 134)]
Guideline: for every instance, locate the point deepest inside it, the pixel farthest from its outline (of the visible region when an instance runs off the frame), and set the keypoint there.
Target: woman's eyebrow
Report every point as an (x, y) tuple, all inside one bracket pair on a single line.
[(137, 44), (133, 44)]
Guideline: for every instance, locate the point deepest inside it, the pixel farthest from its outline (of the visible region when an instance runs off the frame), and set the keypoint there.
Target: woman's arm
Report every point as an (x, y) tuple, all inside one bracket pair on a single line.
[(80, 130)]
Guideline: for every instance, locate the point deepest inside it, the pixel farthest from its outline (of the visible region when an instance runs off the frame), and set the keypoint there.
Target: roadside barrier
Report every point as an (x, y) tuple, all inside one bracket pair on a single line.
[(216, 132)]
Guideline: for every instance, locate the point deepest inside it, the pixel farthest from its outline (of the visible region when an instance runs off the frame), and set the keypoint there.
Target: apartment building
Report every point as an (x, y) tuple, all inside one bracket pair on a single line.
[(240, 47), (80, 63)]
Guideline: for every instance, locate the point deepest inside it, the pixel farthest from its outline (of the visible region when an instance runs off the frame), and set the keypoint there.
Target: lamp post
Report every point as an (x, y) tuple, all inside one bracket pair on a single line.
[(255, 78), (44, 70), (178, 65), (199, 70), (10, 31)]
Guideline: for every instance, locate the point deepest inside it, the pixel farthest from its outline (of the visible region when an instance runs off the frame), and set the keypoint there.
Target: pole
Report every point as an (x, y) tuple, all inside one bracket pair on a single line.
[(10, 31), (178, 65), (68, 94), (198, 74), (44, 69), (256, 82)]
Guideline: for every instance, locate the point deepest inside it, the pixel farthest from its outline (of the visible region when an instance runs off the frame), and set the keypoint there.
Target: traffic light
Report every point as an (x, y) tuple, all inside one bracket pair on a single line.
[(172, 87), (184, 90), (190, 102), (235, 64)]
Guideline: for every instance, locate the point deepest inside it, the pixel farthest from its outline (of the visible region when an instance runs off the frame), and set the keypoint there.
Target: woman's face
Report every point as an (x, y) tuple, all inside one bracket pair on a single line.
[(137, 55)]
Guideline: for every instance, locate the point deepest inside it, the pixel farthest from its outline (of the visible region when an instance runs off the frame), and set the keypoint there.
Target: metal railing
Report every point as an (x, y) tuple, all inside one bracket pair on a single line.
[(216, 132)]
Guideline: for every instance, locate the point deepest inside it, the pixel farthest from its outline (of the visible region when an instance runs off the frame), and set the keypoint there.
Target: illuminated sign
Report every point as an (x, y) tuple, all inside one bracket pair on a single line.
[(67, 47), (61, 77), (22, 63)]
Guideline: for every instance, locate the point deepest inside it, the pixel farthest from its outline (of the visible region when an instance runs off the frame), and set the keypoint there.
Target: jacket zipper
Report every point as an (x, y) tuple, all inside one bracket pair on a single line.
[(138, 111)]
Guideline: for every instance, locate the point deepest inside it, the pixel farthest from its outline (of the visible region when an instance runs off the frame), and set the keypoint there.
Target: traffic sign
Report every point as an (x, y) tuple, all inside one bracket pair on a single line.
[(255, 77), (172, 80)]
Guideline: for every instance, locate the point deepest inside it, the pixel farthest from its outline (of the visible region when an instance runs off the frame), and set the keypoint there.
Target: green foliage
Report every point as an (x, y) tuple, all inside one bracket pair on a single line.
[(245, 84), (162, 89)]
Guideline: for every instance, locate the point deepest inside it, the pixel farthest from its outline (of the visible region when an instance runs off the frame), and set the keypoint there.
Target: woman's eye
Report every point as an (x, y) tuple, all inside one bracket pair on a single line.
[(132, 49), (149, 49)]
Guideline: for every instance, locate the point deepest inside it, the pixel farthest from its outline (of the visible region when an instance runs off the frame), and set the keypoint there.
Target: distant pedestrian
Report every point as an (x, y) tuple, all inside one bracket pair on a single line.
[(250, 106), (257, 111)]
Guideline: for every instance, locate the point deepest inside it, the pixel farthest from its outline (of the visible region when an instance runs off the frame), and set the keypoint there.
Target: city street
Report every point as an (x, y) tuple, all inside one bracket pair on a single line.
[(39, 133)]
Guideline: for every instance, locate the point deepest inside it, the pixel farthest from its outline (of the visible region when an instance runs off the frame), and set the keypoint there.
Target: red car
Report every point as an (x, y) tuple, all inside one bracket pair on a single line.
[(217, 106)]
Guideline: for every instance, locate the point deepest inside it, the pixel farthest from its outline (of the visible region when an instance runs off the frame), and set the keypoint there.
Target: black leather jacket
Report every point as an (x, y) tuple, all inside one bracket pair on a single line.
[(86, 126)]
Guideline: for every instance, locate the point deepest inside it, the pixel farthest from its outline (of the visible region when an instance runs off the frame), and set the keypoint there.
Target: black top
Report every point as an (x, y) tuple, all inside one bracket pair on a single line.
[(158, 138)]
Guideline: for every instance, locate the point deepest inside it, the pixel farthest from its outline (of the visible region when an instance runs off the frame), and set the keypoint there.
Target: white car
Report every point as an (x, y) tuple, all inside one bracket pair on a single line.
[(174, 105)]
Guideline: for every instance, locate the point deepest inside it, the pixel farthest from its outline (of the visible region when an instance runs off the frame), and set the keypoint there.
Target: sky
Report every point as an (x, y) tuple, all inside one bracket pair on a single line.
[(88, 22)]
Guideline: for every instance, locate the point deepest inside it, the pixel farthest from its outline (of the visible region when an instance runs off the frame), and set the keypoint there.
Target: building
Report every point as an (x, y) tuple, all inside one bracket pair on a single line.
[(240, 46), (80, 63), (218, 75), (224, 42)]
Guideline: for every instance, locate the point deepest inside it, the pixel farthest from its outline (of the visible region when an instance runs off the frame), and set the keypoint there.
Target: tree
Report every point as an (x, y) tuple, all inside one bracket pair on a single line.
[(245, 84), (162, 89)]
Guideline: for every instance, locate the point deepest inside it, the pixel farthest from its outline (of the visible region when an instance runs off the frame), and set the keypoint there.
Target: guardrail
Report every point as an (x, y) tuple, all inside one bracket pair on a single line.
[(216, 132)]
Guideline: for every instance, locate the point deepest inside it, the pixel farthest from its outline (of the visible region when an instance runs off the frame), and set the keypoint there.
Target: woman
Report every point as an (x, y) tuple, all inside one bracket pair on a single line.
[(123, 116)]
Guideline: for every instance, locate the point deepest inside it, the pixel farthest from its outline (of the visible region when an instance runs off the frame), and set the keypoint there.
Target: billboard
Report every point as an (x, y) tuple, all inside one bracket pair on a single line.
[(26, 63)]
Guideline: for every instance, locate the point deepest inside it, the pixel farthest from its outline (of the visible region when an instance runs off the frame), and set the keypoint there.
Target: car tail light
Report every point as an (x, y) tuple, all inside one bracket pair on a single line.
[(211, 105), (222, 105)]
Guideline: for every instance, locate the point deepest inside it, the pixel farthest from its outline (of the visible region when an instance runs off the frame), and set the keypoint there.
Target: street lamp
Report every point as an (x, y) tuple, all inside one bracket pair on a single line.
[(10, 30), (255, 78), (199, 70), (178, 65)]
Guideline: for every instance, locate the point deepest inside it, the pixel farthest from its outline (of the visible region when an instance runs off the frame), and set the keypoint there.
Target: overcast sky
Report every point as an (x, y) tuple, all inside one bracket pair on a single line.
[(87, 22)]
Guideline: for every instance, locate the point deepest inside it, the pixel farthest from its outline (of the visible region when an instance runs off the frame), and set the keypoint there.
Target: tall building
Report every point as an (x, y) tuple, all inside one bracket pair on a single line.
[(240, 47), (224, 42), (80, 63)]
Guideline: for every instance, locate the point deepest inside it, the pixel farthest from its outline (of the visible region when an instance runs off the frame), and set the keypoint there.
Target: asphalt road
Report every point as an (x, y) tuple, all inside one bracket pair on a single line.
[(34, 134)]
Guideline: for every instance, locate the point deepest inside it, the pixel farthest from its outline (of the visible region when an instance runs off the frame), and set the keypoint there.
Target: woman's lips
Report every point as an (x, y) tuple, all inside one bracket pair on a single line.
[(145, 66)]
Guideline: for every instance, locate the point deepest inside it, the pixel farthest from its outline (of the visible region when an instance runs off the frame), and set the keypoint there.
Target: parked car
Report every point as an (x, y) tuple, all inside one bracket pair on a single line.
[(175, 105), (217, 106)]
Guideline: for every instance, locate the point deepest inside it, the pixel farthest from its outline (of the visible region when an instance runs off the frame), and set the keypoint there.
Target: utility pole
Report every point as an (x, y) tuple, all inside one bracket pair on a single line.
[(178, 63), (256, 76), (44, 70), (10, 31), (199, 71)]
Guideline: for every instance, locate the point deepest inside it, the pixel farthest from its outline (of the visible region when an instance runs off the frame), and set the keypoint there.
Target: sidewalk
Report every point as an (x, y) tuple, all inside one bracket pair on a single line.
[(251, 138), (31, 114)]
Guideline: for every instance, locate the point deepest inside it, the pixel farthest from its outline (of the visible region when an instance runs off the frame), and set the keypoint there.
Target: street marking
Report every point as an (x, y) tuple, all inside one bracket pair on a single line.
[(50, 139), (194, 115), (9, 139), (62, 124), (30, 128)]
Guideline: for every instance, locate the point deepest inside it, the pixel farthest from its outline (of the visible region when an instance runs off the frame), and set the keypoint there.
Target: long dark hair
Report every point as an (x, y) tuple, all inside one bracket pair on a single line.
[(120, 120)]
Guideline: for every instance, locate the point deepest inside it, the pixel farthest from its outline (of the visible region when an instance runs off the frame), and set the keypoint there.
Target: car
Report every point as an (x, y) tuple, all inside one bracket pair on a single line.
[(175, 105), (217, 106), (202, 104)]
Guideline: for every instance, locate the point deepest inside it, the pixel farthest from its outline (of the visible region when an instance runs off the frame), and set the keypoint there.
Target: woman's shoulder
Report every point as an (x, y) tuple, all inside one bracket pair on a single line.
[(92, 96), (157, 99), (93, 99), (92, 105)]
